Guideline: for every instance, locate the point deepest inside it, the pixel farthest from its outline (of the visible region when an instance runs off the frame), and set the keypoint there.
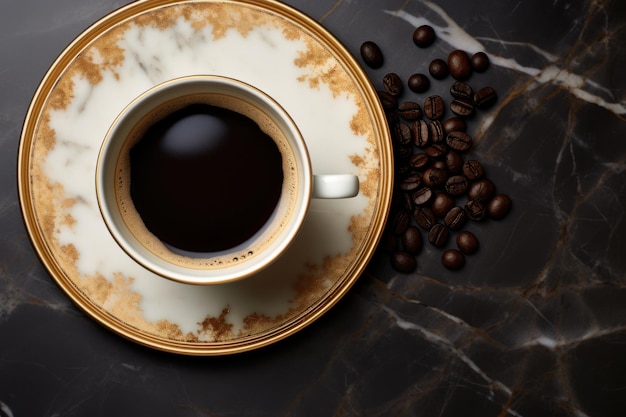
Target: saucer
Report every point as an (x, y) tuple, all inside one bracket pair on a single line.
[(266, 44)]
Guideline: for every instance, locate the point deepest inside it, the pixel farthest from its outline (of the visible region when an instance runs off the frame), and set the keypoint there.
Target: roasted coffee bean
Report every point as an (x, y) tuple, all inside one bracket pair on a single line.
[(459, 64), (399, 222), (403, 168), (403, 261), (459, 141), (411, 183), (410, 110), (438, 69), (436, 131), (455, 218), (454, 124), (442, 203), (392, 83), (371, 54), (475, 210), (402, 133), (424, 36), (481, 190), (418, 83), (473, 170), (467, 242), (407, 202), (485, 97), (422, 196), (438, 235), (480, 62), (420, 160), (388, 101), (462, 107), (456, 185), (439, 164), (421, 133), (499, 206), (454, 162), (424, 217), (404, 151), (436, 151), (412, 240), (434, 177), (461, 90), (434, 107), (452, 259)]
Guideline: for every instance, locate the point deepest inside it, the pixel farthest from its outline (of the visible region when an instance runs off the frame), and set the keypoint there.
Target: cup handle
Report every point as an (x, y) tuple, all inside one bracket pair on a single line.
[(335, 186)]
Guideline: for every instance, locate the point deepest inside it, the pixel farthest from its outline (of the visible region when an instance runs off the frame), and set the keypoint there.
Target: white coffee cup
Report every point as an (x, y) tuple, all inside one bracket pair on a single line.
[(267, 243)]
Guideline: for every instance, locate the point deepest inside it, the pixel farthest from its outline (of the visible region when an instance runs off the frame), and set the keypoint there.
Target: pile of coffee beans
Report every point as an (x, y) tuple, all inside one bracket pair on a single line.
[(439, 187)]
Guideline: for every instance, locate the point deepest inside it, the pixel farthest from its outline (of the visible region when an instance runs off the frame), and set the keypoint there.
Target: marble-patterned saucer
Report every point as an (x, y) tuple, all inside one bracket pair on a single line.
[(266, 44)]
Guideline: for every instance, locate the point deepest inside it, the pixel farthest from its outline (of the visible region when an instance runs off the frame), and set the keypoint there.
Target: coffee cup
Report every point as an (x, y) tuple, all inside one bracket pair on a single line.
[(207, 180)]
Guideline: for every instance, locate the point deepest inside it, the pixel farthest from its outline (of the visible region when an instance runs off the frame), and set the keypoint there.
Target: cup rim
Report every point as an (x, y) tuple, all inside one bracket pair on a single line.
[(194, 275)]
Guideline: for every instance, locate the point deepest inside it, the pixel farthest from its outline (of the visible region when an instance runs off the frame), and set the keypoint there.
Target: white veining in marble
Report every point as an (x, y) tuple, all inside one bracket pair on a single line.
[(578, 85), (264, 58)]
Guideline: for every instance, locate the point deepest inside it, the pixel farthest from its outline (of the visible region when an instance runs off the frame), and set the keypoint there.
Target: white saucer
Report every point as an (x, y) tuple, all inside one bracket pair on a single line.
[(266, 44)]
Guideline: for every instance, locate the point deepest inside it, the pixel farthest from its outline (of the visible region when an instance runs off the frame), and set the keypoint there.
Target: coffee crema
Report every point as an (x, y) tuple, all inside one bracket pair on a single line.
[(205, 180)]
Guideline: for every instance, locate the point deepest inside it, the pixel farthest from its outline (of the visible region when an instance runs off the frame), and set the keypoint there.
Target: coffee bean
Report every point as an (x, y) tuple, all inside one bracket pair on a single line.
[(403, 168), (481, 190), (403, 261), (454, 124), (422, 196), (461, 90), (435, 128), (434, 177), (404, 151), (485, 97), (411, 183), (442, 203), (412, 240), (424, 36), (418, 83), (439, 164), (424, 217), (436, 151), (456, 185), (473, 169), (453, 259), (462, 107), (467, 242), (421, 134), (499, 206), (459, 141), (455, 218), (399, 222), (410, 110), (454, 162), (475, 210), (388, 101), (434, 107), (407, 202), (438, 235), (438, 69), (402, 133), (459, 64), (480, 62), (392, 84), (371, 54), (420, 160)]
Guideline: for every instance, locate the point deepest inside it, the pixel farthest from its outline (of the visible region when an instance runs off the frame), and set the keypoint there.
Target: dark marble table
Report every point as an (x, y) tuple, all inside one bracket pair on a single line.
[(534, 325)]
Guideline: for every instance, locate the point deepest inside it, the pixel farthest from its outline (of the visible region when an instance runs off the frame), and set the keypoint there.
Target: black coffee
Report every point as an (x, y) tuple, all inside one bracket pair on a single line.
[(205, 179)]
